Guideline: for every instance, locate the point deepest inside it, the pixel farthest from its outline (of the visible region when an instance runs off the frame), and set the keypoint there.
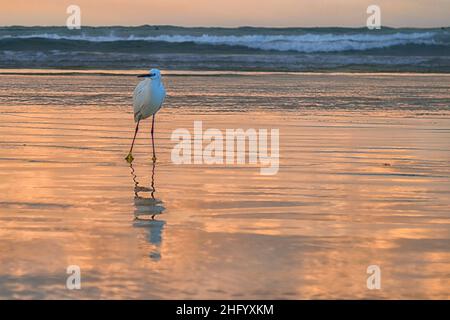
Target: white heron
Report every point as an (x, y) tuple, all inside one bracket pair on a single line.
[(148, 98)]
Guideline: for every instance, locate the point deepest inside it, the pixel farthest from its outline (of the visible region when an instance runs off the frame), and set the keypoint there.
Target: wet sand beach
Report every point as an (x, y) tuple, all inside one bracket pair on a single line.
[(364, 179)]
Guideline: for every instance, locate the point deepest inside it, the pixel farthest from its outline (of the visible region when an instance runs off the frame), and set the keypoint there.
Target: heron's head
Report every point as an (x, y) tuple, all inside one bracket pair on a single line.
[(152, 74)]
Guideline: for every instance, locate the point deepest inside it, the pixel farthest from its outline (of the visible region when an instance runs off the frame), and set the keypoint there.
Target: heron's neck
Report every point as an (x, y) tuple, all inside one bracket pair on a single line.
[(155, 82)]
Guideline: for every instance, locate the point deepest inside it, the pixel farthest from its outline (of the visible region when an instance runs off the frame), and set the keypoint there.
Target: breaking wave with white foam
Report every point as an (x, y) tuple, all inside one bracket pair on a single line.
[(307, 43), (247, 48)]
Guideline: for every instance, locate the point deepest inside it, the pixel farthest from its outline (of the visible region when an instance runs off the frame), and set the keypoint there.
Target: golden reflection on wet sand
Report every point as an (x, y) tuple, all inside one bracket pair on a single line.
[(355, 188)]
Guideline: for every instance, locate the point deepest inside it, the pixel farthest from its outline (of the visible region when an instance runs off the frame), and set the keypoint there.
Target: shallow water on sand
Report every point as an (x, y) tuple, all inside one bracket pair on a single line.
[(364, 180)]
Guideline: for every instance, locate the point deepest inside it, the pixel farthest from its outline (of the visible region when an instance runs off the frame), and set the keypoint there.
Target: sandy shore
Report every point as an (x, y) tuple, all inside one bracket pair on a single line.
[(364, 179)]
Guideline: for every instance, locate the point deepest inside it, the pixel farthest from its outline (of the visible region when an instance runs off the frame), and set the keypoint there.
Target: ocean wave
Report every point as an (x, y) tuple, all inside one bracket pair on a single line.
[(304, 43), (246, 48)]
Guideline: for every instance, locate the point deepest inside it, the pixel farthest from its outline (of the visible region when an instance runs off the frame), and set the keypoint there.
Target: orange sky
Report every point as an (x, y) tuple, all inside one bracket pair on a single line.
[(414, 13)]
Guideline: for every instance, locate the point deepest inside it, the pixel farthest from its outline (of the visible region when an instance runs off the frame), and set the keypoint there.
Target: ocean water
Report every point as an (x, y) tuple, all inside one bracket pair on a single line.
[(364, 179), (245, 48)]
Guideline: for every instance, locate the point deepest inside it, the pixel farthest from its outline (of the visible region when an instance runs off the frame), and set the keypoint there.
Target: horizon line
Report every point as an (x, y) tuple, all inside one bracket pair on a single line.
[(219, 27)]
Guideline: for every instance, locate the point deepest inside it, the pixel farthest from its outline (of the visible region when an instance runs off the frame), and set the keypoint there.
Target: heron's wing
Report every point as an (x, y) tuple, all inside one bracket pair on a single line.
[(141, 97)]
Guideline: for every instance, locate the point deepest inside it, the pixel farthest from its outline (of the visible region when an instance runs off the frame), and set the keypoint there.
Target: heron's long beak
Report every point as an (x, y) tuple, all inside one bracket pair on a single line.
[(147, 75)]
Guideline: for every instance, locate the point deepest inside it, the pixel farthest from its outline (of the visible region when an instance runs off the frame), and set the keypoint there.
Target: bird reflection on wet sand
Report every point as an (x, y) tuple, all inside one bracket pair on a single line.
[(147, 208)]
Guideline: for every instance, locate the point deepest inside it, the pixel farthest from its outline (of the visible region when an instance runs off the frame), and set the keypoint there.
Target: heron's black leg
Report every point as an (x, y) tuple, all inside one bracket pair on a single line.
[(129, 157), (153, 141)]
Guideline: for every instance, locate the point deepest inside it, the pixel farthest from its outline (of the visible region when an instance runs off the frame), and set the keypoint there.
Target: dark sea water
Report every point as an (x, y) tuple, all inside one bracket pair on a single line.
[(245, 48)]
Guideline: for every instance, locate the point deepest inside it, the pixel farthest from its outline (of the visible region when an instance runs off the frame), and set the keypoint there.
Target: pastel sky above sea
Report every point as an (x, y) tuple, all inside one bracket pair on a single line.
[(228, 13)]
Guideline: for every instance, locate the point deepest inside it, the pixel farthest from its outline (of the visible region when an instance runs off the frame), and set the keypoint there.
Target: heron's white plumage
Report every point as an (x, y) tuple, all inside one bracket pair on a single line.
[(148, 96)]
